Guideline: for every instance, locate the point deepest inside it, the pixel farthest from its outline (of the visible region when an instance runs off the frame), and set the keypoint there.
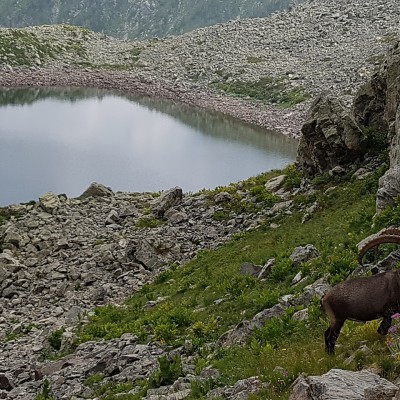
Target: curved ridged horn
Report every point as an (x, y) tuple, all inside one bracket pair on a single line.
[(385, 237)]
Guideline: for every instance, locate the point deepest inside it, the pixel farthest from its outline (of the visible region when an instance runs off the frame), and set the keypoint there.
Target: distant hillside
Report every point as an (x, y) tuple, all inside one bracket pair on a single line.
[(134, 18)]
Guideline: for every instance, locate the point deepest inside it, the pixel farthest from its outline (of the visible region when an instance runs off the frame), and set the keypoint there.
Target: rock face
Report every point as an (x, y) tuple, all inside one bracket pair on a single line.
[(379, 109), (331, 137), (376, 107), (338, 384), (369, 104), (389, 188)]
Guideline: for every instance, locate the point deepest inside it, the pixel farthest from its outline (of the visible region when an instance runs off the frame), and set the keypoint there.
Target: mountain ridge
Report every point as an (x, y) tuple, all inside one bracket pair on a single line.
[(135, 18)]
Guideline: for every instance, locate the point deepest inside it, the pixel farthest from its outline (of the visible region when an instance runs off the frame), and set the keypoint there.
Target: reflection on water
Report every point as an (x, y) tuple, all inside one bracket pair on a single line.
[(62, 140)]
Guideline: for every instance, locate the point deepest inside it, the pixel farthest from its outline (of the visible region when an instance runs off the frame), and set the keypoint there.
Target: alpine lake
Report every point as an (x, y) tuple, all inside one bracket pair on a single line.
[(61, 140)]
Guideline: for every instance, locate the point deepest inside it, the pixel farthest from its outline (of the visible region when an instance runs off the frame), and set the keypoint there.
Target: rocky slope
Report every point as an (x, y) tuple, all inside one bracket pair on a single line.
[(62, 257), (316, 46), (136, 18)]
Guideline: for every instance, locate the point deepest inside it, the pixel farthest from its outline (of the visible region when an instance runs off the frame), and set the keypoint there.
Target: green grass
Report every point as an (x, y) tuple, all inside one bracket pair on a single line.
[(20, 48), (5, 214), (267, 89), (149, 222)]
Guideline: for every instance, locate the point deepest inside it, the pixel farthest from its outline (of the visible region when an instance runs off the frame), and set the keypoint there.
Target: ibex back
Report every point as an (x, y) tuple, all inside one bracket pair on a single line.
[(361, 299)]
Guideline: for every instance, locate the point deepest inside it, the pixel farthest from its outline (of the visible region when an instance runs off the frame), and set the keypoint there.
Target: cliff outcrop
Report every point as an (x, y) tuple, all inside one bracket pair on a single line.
[(334, 135)]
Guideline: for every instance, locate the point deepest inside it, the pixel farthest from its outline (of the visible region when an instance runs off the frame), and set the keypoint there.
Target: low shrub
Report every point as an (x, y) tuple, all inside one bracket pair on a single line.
[(170, 369), (55, 339)]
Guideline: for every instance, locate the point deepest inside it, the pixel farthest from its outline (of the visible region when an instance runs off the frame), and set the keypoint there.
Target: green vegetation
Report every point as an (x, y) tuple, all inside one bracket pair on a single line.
[(135, 53), (377, 142), (267, 89), (390, 38), (255, 60), (293, 177), (46, 392), (388, 217), (6, 213), (55, 339), (208, 296), (168, 372), (19, 332), (260, 197), (106, 390), (149, 222), (19, 48)]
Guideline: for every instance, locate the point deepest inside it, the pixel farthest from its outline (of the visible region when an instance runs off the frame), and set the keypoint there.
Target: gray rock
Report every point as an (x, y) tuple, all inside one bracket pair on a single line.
[(175, 217), (339, 384), (12, 237), (267, 268), (241, 390), (49, 202), (331, 137), (337, 171), (389, 189), (112, 218), (275, 184), (250, 269), (168, 199), (301, 315), (5, 383), (303, 254), (316, 289), (96, 190), (309, 212), (223, 198), (297, 279), (73, 315), (242, 331)]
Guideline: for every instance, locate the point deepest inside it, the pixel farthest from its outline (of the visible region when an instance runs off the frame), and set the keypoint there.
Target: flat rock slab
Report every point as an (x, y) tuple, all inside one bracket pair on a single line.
[(340, 384)]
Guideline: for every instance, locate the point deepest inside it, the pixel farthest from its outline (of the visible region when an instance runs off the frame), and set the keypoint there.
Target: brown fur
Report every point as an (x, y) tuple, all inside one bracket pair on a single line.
[(361, 299)]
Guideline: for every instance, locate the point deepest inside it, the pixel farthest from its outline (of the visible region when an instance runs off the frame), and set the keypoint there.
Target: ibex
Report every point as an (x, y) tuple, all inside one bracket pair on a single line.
[(366, 298)]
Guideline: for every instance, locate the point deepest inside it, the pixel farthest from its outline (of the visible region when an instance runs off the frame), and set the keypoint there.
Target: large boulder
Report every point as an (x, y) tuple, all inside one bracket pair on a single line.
[(331, 137), (168, 199), (49, 202), (339, 384), (96, 190)]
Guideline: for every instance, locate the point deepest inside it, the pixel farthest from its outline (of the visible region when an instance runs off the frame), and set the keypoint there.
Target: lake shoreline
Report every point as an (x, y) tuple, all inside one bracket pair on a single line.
[(285, 121)]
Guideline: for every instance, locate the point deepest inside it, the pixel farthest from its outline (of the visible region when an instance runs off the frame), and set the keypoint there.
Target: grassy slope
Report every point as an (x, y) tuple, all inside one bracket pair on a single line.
[(344, 217)]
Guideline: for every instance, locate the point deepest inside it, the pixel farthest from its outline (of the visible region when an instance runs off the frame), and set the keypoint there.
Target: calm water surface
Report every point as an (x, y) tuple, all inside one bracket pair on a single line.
[(62, 140)]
